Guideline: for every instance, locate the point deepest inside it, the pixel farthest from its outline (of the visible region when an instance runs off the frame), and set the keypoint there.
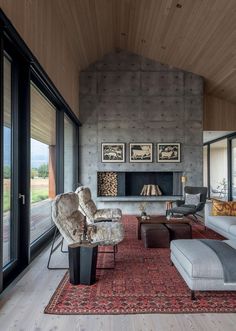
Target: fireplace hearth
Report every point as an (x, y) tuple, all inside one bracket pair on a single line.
[(131, 183)]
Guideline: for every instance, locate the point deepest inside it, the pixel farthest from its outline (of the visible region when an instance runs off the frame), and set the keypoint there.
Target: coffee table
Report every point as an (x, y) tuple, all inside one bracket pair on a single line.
[(161, 219)]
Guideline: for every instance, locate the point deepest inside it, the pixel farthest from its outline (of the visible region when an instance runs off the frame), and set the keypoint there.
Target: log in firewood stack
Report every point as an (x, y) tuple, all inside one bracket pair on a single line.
[(107, 184), (151, 190)]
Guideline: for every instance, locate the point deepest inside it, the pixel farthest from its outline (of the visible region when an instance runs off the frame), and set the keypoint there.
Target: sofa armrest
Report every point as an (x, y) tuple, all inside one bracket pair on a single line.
[(208, 207)]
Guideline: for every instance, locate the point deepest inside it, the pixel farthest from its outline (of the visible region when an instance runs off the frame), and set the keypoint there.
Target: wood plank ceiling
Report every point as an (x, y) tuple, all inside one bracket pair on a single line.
[(194, 35)]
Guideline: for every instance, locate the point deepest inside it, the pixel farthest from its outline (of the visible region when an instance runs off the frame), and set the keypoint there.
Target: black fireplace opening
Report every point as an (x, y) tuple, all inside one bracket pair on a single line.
[(136, 180), (131, 183)]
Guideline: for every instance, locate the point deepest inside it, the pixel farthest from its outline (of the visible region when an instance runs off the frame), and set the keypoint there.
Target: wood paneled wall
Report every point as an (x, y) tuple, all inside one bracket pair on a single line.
[(219, 114), (41, 28)]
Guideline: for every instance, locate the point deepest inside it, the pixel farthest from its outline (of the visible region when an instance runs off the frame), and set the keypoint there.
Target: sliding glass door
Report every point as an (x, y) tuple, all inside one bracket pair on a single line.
[(43, 163), (233, 175), (219, 170), (8, 221), (70, 155), (38, 136)]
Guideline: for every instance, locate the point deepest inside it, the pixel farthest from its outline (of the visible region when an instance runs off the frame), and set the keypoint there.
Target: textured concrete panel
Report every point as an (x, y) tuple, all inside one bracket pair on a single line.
[(133, 99), (90, 106), (192, 135), (163, 109), (193, 107), (162, 83), (193, 84), (119, 61), (119, 83), (119, 108), (88, 135), (88, 83), (151, 65)]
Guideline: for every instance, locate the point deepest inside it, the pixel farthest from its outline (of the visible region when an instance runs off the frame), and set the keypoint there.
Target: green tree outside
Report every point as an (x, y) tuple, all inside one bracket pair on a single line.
[(43, 170), (34, 173), (7, 172)]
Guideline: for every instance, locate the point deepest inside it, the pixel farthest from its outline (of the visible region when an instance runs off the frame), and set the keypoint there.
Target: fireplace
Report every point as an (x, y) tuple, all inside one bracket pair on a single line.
[(110, 183)]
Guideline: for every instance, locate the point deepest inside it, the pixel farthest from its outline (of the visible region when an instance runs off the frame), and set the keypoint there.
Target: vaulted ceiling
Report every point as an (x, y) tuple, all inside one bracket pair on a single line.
[(194, 35)]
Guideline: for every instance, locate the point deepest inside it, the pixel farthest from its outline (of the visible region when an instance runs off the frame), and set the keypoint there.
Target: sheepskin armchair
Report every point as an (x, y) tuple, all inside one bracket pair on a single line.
[(72, 225), (89, 209), (69, 220)]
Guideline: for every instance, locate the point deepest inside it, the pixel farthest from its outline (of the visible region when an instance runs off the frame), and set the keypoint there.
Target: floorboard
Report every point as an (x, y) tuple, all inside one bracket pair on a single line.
[(22, 305)]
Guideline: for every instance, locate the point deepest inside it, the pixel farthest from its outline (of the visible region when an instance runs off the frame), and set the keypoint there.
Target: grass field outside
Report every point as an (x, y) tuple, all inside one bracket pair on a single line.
[(6, 194), (39, 191)]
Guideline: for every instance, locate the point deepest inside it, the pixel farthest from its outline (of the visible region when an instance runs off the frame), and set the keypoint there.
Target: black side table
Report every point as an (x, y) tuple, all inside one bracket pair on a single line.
[(82, 263)]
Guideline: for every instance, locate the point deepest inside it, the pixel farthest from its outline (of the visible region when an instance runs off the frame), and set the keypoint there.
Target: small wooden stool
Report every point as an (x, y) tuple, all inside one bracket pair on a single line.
[(82, 263)]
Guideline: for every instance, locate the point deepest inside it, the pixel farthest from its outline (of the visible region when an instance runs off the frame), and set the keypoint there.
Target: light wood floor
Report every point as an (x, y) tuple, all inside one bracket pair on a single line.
[(22, 305)]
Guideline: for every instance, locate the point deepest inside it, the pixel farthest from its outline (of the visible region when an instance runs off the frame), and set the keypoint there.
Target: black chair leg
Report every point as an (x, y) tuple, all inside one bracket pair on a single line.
[(193, 297), (62, 250), (53, 249), (113, 252)]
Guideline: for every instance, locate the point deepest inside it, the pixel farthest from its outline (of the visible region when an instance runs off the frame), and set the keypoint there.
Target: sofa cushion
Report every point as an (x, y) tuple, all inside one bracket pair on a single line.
[(222, 222), (190, 252), (192, 199), (223, 208), (232, 230)]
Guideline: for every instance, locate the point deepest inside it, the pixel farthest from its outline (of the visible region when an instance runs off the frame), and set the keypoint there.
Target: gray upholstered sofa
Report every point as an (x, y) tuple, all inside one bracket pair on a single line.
[(224, 225), (200, 266)]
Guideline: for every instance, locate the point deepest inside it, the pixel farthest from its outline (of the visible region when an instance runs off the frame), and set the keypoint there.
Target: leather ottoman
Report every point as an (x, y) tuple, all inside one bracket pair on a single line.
[(179, 231), (155, 236)]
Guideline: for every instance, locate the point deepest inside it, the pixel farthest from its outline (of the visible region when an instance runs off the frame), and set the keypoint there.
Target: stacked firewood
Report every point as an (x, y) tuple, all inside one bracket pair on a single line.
[(107, 184), (151, 190)]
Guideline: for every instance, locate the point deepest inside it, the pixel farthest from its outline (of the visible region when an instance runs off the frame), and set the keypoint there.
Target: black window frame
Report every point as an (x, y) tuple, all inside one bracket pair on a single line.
[(28, 69), (228, 138)]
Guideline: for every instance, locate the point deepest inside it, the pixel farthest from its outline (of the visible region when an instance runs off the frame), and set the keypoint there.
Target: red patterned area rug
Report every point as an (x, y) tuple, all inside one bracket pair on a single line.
[(143, 281)]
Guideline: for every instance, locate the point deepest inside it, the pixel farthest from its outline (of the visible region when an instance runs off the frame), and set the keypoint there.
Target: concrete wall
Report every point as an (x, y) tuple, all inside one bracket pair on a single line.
[(128, 98)]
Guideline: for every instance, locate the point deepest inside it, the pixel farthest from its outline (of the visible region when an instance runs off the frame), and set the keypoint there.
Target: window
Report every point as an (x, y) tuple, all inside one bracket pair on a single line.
[(32, 143), (7, 163), (233, 178), (43, 163), (219, 170), (70, 155), (205, 166)]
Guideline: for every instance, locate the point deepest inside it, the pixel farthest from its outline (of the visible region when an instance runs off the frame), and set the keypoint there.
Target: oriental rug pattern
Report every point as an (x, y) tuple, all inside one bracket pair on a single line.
[(143, 281)]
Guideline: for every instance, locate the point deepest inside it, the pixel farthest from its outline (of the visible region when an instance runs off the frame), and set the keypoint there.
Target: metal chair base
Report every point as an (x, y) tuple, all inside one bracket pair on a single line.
[(53, 249), (113, 251)]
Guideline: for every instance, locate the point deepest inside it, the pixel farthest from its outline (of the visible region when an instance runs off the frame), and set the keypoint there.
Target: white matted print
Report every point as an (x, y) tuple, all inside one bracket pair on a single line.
[(113, 152), (168, 152), (140, 152)]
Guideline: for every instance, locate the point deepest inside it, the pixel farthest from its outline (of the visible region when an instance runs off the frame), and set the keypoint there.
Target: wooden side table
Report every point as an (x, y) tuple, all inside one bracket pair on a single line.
[(82, 263)]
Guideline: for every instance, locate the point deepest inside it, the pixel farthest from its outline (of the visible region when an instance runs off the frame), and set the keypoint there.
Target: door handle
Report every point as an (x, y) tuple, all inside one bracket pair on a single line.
[(22, 196)]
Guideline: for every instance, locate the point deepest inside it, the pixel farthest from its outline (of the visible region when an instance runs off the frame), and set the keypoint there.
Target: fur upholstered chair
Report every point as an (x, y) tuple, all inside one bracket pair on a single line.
[(72, 225), (67, 218), (89, 209)]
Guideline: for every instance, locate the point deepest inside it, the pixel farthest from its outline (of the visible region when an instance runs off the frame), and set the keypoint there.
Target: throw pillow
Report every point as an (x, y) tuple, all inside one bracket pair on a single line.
[(223, 208), (192, 199)]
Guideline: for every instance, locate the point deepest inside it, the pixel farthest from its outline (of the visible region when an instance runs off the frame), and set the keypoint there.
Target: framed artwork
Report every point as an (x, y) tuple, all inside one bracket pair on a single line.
[(140, 152), (168, 152), (113, 152)]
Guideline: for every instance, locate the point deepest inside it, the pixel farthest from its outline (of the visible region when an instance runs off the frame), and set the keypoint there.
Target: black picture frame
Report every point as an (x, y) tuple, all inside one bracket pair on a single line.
[(141, 152), (168, 152), (113, 152)]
